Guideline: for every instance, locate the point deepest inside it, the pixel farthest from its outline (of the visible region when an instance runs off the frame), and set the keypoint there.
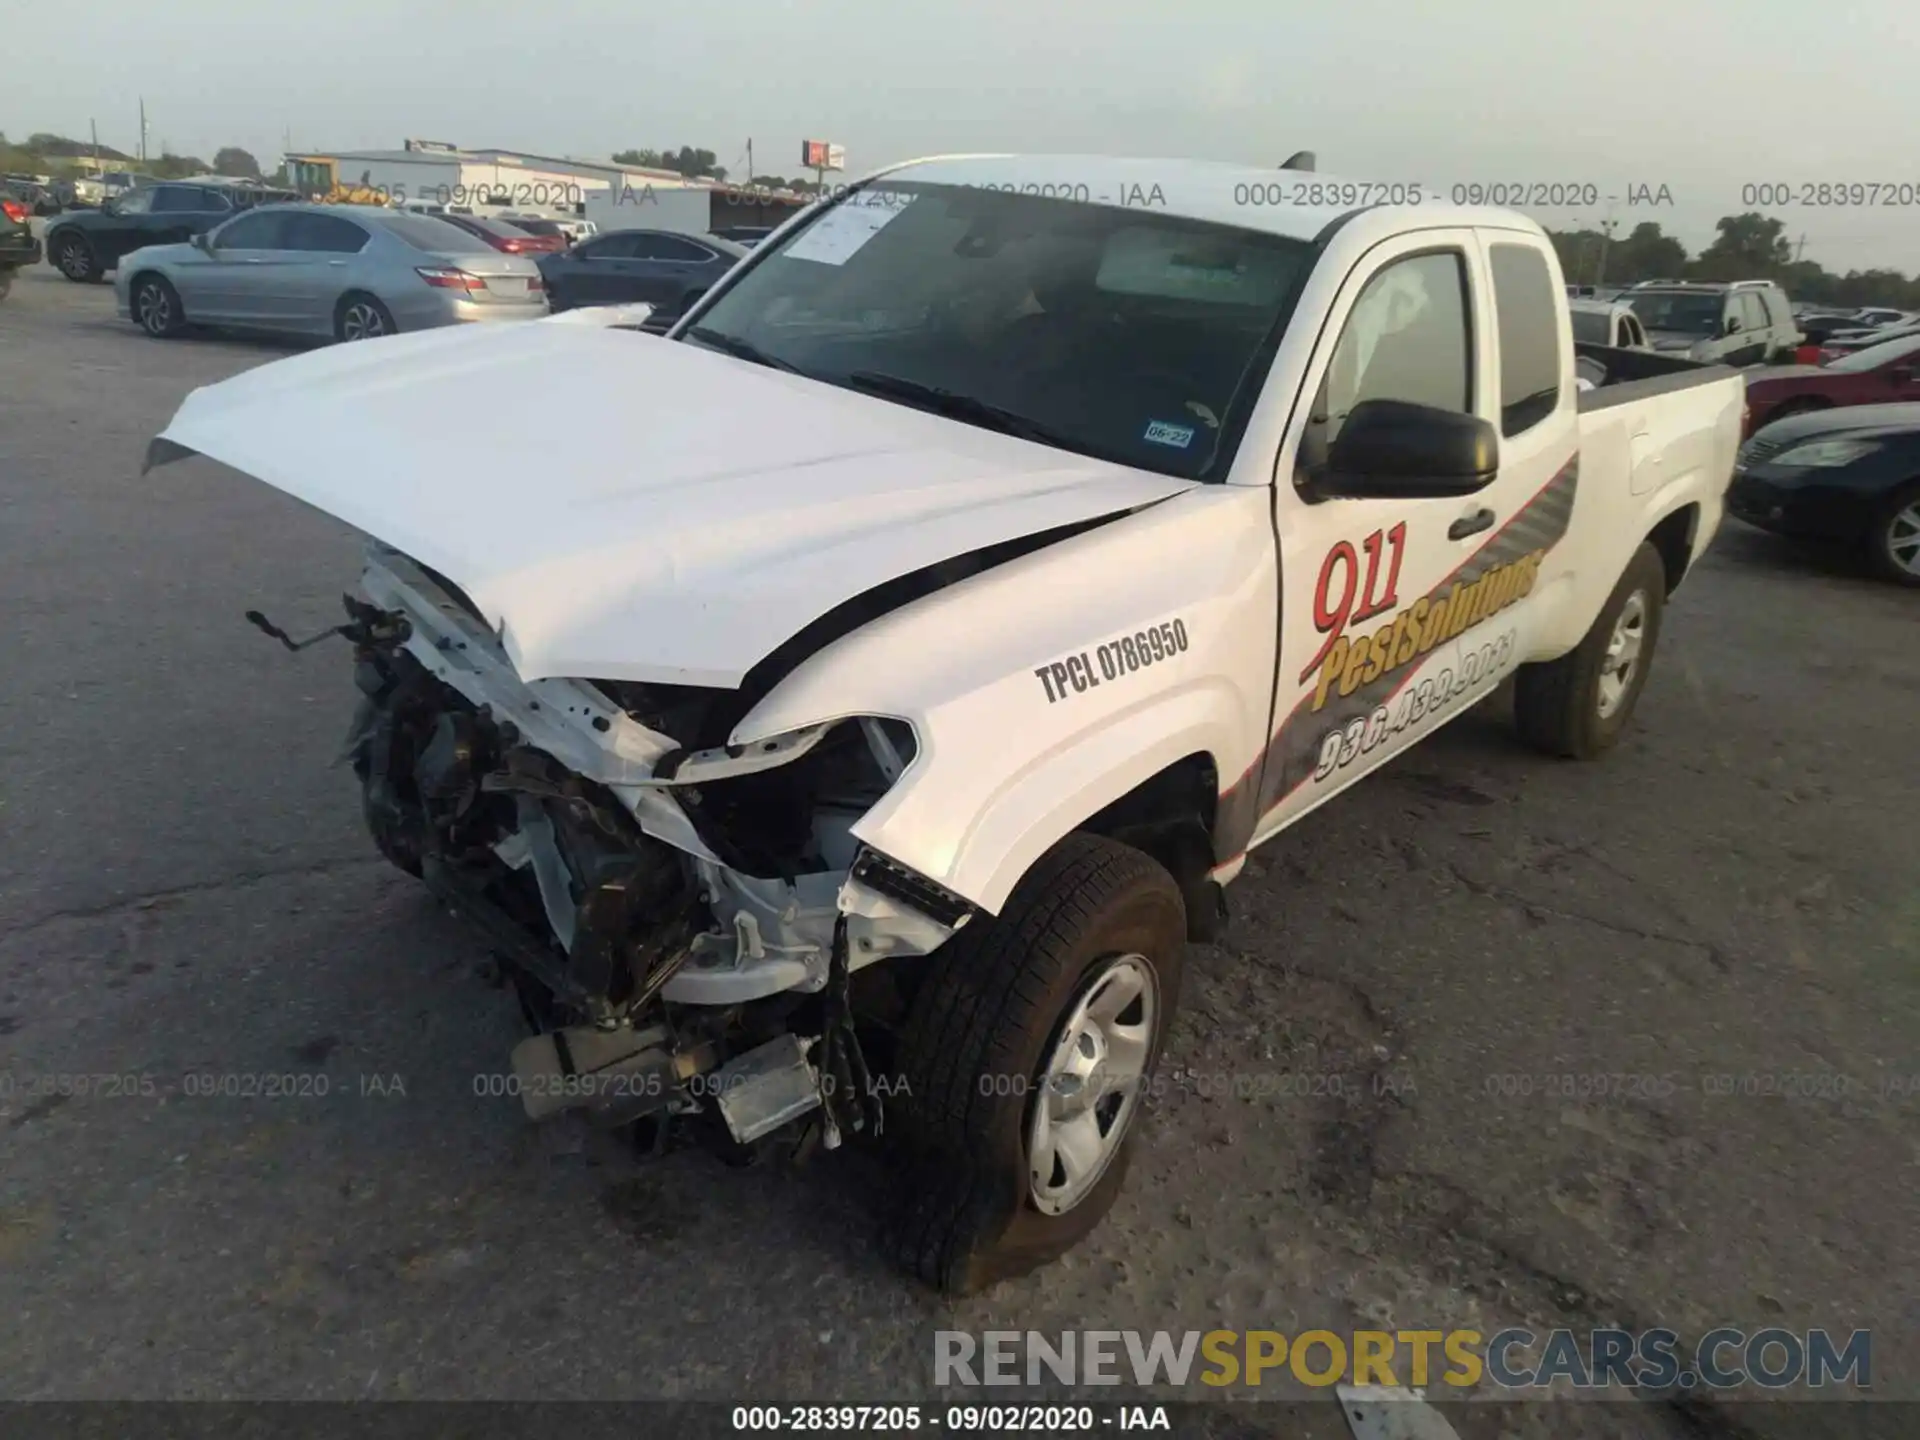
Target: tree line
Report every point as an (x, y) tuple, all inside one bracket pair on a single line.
[(1745, 247), (59, 156)]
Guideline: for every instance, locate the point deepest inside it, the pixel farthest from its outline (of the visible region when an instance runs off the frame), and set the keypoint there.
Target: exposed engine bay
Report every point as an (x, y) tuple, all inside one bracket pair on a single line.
[(680, 917)]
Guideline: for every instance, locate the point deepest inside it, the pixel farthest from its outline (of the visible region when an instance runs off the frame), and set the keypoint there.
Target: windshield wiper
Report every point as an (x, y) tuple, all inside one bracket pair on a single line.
[(741, 349), (955, 406)]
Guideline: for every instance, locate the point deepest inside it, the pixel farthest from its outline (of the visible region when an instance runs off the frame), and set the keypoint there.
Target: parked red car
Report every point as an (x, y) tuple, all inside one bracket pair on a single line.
[(505, 236), (1879, 374)]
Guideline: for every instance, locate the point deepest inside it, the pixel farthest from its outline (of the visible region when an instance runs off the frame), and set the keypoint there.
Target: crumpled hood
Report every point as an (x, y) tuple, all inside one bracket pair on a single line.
[(626, 507)]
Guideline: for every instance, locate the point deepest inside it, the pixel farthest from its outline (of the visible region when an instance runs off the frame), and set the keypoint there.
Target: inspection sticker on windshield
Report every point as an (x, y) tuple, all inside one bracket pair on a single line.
[(1161, 432), (840, 232)]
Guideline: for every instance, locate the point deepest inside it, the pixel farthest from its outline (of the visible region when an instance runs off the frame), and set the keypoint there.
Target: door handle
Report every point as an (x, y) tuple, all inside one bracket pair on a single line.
[(341, 264), (1471, 523)]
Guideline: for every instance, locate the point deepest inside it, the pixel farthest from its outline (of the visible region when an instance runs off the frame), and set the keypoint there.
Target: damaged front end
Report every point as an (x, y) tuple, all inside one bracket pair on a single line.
[(682, 917)]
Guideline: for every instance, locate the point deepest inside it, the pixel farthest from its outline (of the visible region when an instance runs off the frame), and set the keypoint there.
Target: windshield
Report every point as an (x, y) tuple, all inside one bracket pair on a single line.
[(1590, 328), (1874, 356), (1692, 313), (1119, 333)]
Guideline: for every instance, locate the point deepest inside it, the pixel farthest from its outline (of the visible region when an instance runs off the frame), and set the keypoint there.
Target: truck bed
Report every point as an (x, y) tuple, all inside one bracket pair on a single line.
[(1639, 374)]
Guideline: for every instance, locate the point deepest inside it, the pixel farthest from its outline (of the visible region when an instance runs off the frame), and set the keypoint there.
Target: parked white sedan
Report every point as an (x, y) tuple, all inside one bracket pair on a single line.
[(349, 271)]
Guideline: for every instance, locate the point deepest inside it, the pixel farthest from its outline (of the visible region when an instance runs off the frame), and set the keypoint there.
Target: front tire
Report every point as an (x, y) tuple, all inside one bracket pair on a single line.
[(1578, 706), (156, 307), (1893, 542), (1028, 1053), (73, 257)]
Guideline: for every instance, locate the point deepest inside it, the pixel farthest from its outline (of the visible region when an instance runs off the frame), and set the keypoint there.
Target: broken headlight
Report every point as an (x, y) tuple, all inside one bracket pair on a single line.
[(786, 805)]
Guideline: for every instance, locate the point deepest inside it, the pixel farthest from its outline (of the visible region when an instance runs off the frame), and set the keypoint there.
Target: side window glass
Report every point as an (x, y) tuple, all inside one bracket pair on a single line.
[(327, 233), (257, 231), (1527, 314), (1406, 338)]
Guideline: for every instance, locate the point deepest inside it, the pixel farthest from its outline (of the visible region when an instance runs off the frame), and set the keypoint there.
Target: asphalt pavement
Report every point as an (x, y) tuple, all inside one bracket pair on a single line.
[(1634, 1042)]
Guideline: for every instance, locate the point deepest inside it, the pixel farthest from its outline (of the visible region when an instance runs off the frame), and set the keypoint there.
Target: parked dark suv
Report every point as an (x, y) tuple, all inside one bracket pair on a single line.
[(86, 244)]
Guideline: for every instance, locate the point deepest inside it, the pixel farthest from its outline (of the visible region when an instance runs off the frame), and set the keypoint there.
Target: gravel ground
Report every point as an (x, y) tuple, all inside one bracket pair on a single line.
[(185, 888)]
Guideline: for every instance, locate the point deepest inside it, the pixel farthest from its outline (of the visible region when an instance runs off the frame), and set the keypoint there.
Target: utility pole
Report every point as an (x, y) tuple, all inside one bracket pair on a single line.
[(1801, 248), (143, 132), (95, 127), (750, 171), (1606, 240)]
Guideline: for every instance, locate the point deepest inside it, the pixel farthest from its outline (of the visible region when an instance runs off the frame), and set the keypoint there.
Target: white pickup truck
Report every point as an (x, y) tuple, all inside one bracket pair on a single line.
[(842, 710)]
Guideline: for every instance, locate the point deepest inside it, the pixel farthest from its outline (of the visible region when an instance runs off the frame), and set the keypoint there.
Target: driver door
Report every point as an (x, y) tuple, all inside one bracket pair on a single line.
[(1398, 614), (233, 282)]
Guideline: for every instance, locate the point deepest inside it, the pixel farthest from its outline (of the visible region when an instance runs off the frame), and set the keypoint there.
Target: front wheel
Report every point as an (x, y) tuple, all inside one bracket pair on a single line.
[(1027, 1056), (156, 307), (6, 281), (1893, 542), (1578, 706)]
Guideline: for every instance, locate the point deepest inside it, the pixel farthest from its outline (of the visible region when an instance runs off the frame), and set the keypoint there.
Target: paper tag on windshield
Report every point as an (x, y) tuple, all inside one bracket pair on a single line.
[(849, 225)]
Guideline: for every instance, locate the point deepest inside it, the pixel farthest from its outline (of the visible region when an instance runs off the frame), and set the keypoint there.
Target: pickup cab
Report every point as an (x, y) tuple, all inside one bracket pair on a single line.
[(845, 732)]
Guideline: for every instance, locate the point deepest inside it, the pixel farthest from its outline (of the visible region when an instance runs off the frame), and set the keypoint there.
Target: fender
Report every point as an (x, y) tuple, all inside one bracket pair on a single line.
[(1034, 694), (1059, 790)]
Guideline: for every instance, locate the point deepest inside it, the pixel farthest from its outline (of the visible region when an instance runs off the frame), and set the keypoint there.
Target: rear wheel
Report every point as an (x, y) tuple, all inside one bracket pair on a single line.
[(73, 257), (6, 281), (1578, 706), (360, 316), (156, 307), (1027, 1055), (1893, 544)]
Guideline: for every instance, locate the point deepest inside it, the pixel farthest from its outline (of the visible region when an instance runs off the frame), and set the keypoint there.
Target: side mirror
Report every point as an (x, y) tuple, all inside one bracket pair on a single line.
[(1394, 449), (1732, 325), (203, 242)]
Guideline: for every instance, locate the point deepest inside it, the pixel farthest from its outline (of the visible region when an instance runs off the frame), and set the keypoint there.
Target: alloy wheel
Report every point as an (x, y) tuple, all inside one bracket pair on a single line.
[(1903, 538), (154, 308), (362, 322)]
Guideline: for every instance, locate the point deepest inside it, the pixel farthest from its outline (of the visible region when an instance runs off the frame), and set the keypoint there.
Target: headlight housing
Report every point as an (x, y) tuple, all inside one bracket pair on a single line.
[(1824, 454)]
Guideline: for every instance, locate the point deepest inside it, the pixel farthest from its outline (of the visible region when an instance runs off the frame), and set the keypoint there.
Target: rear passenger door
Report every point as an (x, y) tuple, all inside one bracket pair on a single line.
[(313, 269), (667, 269), (1749, 346), (182, 211)]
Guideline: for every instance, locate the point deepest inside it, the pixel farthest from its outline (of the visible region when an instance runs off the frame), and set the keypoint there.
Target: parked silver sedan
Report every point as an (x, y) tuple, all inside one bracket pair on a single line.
[(349, 271)]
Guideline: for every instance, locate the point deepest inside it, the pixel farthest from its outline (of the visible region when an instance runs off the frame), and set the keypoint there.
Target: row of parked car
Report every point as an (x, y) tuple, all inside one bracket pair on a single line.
[(1831, 444), (255, 258)]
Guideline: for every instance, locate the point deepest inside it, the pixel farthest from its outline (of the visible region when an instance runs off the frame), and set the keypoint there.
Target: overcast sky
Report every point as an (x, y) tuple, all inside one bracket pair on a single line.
[(1703, 96)]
